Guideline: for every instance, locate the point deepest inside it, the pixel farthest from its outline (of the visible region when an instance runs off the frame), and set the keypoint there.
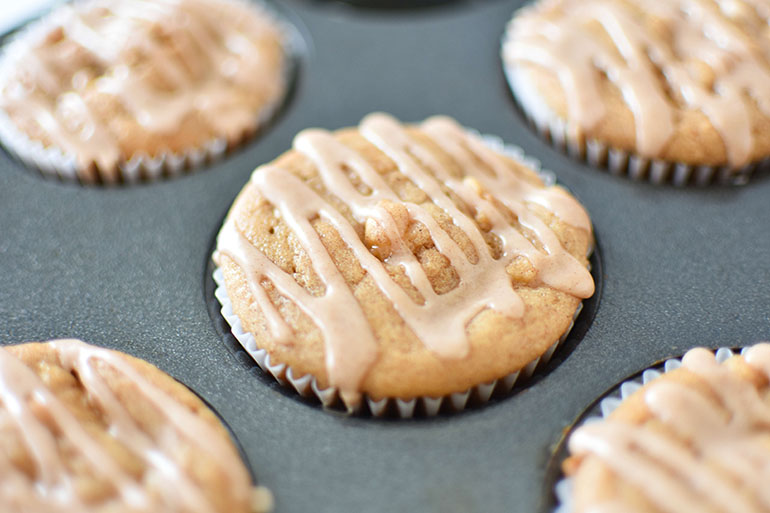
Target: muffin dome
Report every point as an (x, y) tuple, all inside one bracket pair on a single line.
[(403, 261)]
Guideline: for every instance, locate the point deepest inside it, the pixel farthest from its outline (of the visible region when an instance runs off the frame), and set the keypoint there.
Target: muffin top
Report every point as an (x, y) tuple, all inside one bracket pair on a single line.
[(695, 439), (88, 429), (103, 80), (676, 80), (403, 261)]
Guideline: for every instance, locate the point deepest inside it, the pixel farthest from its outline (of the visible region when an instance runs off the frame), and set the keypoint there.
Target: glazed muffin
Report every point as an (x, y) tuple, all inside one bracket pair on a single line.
[(644, 87), (391, 261), (88, 429), (695, 438), (109, 90)]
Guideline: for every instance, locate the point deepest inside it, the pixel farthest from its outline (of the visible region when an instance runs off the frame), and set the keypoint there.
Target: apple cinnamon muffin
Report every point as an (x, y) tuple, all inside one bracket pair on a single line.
[(694, 438), (666, 90), (408, 262), (89, 429), (111, 90)]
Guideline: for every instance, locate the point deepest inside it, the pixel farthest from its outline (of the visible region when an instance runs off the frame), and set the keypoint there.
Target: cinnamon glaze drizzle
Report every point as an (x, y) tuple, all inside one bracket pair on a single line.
[(164, 61), (440, 320), (23, 393), (707, 62), (724, 464)]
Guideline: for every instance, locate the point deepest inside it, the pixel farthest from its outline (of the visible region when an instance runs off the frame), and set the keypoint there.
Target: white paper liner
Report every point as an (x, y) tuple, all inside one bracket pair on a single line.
[(563, 488), (307, 385), (54, 162), (616, 161)]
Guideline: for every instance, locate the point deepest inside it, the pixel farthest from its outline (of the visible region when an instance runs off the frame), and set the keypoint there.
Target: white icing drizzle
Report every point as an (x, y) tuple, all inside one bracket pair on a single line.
[(22, 393), (719, 458), (439, 320), (163, 61), (560, 36)]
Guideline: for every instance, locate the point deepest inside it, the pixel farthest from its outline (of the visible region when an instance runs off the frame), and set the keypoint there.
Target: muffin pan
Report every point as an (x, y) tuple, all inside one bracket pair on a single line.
[(128, 268)]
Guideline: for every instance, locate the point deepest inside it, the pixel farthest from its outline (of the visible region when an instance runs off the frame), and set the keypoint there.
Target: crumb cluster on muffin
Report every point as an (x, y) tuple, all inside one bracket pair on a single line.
[(403, 261), (694, 438), (675, 81), (119, 88), (90, 429)]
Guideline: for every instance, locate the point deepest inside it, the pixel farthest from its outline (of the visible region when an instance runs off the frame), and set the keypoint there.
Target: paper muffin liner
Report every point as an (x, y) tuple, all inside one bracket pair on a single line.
[(610, 402), (307, 385), (53, 162), (618, 162)]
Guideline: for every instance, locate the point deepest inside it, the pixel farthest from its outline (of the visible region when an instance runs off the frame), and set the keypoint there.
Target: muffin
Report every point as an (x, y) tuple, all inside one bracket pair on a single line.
[(695, 438), (117, 90), (671, 90), (88, 429), (401, 262)]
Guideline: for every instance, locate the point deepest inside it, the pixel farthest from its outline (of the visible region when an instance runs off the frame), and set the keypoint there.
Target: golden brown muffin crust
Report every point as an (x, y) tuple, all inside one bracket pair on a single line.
[(404, 367)]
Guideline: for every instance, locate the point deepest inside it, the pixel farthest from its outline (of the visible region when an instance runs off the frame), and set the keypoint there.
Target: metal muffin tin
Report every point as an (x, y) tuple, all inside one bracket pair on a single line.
[(128, 268)]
